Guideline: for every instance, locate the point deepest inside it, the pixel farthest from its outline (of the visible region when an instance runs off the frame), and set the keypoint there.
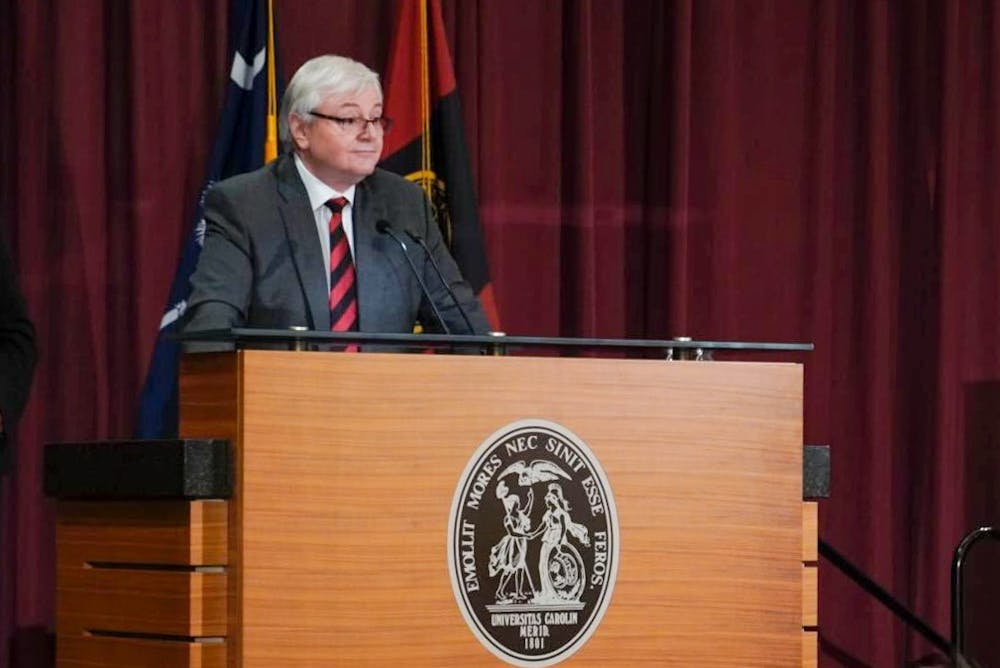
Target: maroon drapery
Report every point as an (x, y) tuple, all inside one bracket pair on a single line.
[(107, 120), (822, 171)]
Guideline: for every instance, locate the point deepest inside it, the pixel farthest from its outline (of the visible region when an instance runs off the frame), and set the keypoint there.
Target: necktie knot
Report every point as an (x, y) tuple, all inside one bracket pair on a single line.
[(337, 204)]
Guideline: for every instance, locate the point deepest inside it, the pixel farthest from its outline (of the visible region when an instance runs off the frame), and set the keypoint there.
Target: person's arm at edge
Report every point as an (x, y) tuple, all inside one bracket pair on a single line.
[(17, 345)]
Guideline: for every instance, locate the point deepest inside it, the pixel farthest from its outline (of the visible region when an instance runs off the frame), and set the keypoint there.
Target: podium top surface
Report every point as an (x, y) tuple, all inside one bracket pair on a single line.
[(242, 337)]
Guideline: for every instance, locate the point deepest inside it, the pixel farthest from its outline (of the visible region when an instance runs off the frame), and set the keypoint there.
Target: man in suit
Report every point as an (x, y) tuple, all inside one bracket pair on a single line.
[(17, 352), (275, 254)]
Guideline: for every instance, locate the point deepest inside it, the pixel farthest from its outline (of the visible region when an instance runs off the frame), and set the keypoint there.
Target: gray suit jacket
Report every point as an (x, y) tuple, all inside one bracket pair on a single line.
[(262, 264)]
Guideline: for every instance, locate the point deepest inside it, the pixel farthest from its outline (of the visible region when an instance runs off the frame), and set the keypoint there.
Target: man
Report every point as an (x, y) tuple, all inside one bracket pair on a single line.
[(17, 351), (299, 242)]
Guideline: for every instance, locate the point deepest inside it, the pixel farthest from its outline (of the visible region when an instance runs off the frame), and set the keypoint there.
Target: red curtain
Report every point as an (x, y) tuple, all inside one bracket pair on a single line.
[(108, 115), (779, 170)]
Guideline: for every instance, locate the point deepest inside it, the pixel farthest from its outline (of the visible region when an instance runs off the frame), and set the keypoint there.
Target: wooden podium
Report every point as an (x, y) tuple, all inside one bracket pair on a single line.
[(346, 468)]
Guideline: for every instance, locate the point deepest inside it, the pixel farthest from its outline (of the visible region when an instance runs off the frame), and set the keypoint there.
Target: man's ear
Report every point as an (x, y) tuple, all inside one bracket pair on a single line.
[(298, 129)]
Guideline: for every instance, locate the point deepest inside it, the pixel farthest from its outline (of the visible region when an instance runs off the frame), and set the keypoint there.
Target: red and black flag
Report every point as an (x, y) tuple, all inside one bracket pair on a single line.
[(427, 143)]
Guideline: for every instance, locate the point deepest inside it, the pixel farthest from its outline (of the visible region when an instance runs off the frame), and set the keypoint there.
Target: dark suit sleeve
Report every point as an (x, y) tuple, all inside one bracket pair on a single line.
[(221, 284), (17, 343)]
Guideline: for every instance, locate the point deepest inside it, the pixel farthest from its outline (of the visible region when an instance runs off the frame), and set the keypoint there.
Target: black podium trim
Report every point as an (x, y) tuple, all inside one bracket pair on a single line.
[(139, 470), (248, 337), (816, 472)]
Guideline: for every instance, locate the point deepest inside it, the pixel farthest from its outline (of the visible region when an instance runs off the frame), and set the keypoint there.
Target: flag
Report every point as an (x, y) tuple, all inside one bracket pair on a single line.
[(247, 139), (427, 142)]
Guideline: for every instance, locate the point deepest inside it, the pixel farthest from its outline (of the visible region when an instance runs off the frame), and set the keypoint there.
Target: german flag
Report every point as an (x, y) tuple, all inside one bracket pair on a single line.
[(427, 142)]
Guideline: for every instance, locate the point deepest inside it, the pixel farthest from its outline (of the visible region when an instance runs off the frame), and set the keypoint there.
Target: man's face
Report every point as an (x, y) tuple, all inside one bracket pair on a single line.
[(340, 153)]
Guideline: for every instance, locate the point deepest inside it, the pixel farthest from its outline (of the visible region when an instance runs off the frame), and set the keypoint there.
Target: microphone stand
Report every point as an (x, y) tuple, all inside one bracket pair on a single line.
[(437, 270), (383, 227)]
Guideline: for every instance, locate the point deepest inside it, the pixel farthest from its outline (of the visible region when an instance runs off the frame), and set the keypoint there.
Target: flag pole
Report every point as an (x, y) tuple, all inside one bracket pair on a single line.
[(271, 137)]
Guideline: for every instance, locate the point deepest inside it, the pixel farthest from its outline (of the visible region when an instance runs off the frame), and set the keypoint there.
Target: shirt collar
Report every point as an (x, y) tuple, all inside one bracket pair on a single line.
[(320, 193)]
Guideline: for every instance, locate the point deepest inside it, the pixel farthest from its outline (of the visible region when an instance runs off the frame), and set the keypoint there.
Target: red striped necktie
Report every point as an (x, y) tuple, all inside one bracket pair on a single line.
[(343, 288)]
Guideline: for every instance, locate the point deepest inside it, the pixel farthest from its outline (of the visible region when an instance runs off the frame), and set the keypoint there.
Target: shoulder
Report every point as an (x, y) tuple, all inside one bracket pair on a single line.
[(382, 182), (244, 185), (250, 196)]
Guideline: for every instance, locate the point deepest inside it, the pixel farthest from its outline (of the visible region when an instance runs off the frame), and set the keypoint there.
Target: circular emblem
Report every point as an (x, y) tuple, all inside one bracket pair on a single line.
[(533, 543)]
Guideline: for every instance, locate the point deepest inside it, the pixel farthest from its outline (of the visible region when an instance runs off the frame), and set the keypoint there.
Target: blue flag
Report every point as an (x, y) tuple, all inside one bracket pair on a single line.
[(247, 138)]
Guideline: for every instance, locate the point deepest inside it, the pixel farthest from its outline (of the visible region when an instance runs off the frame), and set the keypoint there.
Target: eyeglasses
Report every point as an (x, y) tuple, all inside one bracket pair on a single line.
[(356, 124)]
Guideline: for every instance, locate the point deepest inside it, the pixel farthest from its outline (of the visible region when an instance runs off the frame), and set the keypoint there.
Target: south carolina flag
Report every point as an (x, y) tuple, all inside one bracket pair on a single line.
[(427, 142), (247, 138)]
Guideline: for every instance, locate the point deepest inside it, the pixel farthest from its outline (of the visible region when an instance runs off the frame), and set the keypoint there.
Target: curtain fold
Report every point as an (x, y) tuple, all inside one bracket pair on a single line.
[(108, 114)]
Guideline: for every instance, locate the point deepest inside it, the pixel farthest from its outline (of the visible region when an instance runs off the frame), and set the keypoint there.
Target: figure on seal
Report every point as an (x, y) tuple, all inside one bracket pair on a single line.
[(510, 555), (560, 566)]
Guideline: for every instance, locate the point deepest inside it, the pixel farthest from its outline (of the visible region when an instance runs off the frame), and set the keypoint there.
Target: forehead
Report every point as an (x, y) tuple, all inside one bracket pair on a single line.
[(366, 98)]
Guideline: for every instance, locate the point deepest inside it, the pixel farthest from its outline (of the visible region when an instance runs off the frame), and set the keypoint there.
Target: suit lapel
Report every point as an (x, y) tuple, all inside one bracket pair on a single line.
[(307, 254)]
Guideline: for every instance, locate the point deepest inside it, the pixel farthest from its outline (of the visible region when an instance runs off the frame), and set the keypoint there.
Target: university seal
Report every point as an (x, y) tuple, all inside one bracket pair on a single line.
[(533, 543)]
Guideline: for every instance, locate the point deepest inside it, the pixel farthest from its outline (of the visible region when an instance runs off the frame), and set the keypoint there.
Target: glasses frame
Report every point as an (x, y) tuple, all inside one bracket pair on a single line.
[(383, 123)]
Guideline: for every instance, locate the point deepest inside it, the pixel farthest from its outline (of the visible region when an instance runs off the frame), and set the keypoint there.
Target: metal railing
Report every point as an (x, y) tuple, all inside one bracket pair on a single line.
[(958, 583), (955, 648)]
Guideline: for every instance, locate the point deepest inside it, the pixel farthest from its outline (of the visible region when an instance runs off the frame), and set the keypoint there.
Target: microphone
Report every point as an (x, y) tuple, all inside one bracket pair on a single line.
[(383, 227), (437, 269)]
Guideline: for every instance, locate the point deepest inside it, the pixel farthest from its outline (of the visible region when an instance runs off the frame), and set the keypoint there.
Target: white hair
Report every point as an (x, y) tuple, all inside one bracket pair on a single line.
[(318, 79)]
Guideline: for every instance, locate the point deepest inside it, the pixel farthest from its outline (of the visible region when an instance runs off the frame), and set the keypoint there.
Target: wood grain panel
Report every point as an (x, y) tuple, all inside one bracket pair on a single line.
[(80, 651), (350, 463), (209, 387), (810, 649), (810, 531), (810, 596), (190, 533), (810, 584), (141, 601), (210, 405)]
